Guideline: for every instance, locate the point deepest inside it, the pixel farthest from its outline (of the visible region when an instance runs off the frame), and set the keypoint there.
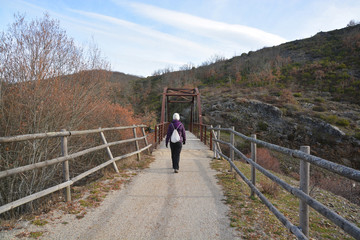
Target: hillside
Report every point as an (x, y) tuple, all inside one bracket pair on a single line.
[(304, 92), (118, 77)]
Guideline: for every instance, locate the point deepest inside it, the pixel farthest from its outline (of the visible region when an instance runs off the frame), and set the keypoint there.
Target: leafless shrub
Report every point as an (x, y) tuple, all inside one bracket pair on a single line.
[(269, 187), (266, 160)]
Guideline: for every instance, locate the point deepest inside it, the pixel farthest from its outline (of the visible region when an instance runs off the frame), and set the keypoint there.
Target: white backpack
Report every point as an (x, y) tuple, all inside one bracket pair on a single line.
[(175, 137)]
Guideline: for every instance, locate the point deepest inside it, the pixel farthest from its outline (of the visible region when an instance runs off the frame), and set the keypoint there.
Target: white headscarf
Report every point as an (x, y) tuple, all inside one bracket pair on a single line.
[(176, 116)]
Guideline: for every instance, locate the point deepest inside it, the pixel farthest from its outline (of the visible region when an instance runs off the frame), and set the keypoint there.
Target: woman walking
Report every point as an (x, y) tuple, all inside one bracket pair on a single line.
[(176, 147)]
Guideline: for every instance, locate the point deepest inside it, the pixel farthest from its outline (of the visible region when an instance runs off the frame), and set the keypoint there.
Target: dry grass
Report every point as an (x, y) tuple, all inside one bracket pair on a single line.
[(84, 197), (269, 188)]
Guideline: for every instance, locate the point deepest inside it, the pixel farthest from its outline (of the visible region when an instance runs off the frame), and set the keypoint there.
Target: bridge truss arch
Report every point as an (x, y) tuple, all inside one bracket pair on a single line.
[(182, 95)]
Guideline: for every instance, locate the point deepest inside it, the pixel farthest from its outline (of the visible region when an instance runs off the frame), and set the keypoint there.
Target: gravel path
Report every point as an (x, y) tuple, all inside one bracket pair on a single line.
[(159, 204)]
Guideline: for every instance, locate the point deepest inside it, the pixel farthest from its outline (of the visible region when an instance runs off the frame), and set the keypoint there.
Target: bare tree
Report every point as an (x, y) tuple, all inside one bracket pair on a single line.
[(46, 83), (352, 23)]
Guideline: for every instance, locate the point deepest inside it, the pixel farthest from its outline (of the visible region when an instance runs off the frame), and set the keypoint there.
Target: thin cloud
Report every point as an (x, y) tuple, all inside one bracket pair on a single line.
[(138, 45), (212, 29), (148, 34)]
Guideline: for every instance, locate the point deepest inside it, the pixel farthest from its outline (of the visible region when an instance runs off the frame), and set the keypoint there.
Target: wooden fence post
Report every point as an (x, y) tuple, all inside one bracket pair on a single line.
[(136, 143), (253, 170), (213, 142), (145, 139), (232, 144), (211, 136), (304, 186), (218, 137), (66, 172), (108, 151)]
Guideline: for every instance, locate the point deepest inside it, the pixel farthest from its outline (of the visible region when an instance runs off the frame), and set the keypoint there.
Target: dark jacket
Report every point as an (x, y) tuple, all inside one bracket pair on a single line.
[(180, 128)]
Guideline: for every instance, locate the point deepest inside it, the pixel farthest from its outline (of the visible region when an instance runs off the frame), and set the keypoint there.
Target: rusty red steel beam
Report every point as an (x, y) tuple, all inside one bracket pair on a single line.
[(174, 101), (181, 89), (198, 104), (188, 98), (163, 106), (183, 95)]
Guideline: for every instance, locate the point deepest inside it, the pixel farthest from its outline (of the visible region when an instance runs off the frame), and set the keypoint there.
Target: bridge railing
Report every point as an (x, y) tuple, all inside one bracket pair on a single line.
[(302, 193), (160, 132), (203, 132), (63, 135)]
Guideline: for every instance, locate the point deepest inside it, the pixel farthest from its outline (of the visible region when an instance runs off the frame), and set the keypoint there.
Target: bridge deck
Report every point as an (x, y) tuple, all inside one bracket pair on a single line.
[(161, 204)]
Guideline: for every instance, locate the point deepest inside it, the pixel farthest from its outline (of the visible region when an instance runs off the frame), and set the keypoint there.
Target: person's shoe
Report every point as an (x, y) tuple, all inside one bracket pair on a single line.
[(176, 171)]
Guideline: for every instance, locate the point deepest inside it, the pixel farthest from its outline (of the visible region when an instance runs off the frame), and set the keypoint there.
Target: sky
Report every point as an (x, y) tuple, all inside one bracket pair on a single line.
[(140, 37)]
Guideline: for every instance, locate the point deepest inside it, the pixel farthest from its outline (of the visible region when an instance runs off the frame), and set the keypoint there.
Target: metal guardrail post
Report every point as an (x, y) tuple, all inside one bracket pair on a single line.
[(66, 172), (197, 130), (161, 136), (304, 186), (156, 133), (253, 170), (205, 134)]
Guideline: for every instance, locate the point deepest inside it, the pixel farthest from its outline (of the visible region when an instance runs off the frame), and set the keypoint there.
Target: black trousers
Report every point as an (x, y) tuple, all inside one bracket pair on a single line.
[(175, 154)]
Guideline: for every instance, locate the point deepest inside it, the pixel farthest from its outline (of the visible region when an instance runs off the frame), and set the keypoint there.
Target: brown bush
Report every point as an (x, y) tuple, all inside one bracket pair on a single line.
[(287, 96), (266, 160), (269, 187), (338, 185)]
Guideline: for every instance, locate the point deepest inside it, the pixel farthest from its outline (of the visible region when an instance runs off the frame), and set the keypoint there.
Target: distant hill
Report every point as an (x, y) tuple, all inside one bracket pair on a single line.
[(120, 85), (326, 62), (118, 77)]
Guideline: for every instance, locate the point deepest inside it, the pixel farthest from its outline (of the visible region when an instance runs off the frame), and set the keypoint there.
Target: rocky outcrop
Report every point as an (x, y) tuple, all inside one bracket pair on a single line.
[(253, 116), (322, 127)]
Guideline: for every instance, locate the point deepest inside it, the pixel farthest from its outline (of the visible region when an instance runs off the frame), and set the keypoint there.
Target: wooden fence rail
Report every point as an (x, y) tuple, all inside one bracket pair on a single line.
[(65, 157), (302, 193), (63, 134), (320, 162)]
